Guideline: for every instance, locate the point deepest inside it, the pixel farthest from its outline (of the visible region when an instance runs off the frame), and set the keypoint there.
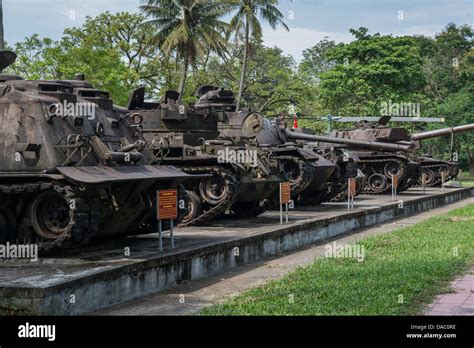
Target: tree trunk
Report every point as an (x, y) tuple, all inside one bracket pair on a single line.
[(184, 73), (244, 65)]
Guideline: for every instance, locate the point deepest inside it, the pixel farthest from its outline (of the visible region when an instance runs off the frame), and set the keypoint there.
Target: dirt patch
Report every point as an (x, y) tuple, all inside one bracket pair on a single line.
[(462, 218)]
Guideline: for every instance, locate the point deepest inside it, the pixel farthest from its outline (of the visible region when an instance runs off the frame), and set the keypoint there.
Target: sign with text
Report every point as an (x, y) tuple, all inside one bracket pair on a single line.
[(352, 187), (167, 204), (285, 192), (395, 181)]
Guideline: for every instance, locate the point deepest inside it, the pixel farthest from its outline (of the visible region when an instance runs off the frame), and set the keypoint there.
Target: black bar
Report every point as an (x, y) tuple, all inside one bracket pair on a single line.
[(257, 330)]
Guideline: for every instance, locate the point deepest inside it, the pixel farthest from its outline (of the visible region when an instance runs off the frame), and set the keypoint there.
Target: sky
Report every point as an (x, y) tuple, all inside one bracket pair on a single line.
[(309, 20)]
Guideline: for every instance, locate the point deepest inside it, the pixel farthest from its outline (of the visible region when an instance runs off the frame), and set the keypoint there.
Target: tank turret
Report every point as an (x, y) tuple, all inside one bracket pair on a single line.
[(241, 175)]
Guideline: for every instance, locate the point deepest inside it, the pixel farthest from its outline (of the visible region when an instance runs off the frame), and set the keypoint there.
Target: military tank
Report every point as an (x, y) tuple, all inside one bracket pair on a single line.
[(434, 168), (388, 157), (69, 170), (380, 166), (316, 175), (302, 167), (330, 186), (241, 175)]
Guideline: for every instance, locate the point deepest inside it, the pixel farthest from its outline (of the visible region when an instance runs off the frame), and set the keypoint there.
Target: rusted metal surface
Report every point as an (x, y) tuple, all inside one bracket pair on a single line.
[(242, 175), (442, 132), (101, 175), (72, 165), (349, 142)]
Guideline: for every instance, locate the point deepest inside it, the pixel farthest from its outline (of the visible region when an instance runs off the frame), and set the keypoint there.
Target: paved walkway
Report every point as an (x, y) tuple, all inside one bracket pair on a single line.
[(460, 302)]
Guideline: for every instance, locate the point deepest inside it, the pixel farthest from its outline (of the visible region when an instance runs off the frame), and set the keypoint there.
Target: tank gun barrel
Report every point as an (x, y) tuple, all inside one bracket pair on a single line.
[(442, 132), (355, 143)]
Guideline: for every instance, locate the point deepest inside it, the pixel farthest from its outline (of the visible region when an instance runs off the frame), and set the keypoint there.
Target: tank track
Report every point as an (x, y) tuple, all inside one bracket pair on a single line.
[(368, 191), (84, 218), (246, 210), (438, 179), (225, 204)]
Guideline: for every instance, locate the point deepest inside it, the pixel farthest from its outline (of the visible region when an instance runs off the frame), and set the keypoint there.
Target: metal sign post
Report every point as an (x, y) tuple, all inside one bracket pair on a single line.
[(160, 234), (285, 197), (166, 209), (330, 119), (394, 187), (351, 192)]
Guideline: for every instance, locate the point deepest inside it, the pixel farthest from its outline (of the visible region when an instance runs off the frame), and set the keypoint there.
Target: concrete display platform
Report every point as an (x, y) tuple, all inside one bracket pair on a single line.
[(103, 274)]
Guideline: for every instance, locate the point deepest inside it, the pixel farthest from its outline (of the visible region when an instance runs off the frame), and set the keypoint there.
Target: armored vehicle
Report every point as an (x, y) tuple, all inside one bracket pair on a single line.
[(360, 151), (329, 169), (434, 168), (333, 166), (391, 152), (241, 176), (301, 167), (69, 170)]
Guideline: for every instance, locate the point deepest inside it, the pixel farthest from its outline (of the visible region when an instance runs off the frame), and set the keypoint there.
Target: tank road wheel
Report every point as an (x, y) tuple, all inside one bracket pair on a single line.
[(7, 225), (50, 215), (394, 168), (60, 219), (377, 183), (214, 189), (194, 207), (292, 171)]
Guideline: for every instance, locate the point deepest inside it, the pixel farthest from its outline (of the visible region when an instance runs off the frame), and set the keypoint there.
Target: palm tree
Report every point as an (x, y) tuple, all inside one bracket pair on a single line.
[(188, 27), (246, 21)]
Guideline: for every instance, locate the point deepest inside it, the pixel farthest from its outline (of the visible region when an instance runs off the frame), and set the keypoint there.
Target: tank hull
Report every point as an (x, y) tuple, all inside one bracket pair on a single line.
[(70, 169)]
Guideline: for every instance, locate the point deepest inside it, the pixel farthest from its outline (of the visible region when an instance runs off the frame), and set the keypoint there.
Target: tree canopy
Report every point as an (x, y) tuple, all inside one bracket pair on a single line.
[(120, 52)]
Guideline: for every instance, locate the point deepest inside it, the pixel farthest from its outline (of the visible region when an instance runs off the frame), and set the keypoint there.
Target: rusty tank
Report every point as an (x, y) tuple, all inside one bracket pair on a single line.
[(435, 169), (391, 152), (390, 159), (241, 176), (303, 168), (333, 166), (69, 169)]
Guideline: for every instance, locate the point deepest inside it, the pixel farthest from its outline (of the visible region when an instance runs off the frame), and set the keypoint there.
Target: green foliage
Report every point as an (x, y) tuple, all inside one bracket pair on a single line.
[(372, 70), (246, 23), (113, 52), (448, 64), (120, 52), (315, 60), (272, 80), (189, 28)]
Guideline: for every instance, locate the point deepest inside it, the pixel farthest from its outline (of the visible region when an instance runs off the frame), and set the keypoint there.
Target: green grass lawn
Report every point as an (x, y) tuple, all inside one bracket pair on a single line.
[(402, 271), (467, 182)]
